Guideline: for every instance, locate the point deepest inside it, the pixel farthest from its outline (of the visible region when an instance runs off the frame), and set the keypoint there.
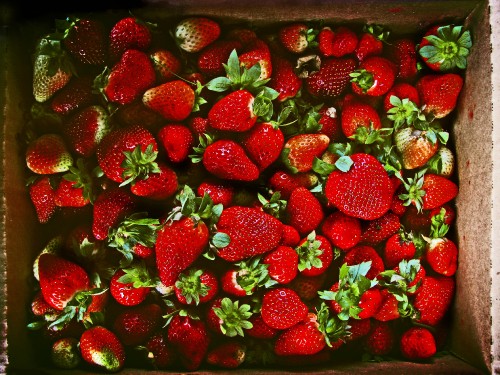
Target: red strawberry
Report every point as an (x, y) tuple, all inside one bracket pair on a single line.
[(371, 42), (160, 352), (332, 78), (190, 339), (283, 263), (341, 230), (361, 253), (48, 154), (128, 33), (75, 188), (230, 354), (442, 255), (359, 328), (380, 340), (370, 303), (417, 344), (330, 125), (60, 280), (356, 115), (285, 183), (263, 144), (177, 140), (339, 42), (429, 191), (401, 90), (260, 330), (251, 232), (75, 95), (315, 255), (257, 52), (304, 338), (135, 325), (296, 37), (439, 93), (364, 191), (233, 112), (101, 348), (304, 211), (195, 286), (128, 79), (167, 65), (198, 125), (218, 191), (109, 208), (86, 129), (130, 287), (398, 247), (39, 307), (379, 230), (291, 236), (195, 33), (282, 308), (389, 307), (445, 47), (284, 79), (127, 154), (307, 287), (434, 298), (42, 195), (174, 100), (300, 150), (157, 186), (374, 77), (404, 54), (211, 59)]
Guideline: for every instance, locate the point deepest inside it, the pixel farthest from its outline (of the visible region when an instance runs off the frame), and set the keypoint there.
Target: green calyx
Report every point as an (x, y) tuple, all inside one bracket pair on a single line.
[(377, 31), (449, 48), (331, 326), (137, 275), (369, 136), (58, 59), (81, 178), (414, 192), (234, 317), (139, 164), (404, 112), (204, 140), (309, 253), (273, 206), (439, 228), (253, 274), (363, 78), (191, 286)]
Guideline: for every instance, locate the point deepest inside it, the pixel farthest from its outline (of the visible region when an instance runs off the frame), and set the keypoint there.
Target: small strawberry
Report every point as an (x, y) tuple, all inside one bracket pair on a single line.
[(212, 59), (380, 340), (230, 355), (378, 230), (101, 348), (263, 144), (358, 328), (374, 77), (304, 211), (135, 325), (167, 65), (362, 253), (442, 255), (342, 231), (199, 125), (403, 52), (428, 191), (195, 286), (157, 186), (300, 150), (131, 286), (282, 308), (443, 162), (417, 344), (128, 33), (296, 37), (337, 43), (371, 42), (285, 182), (315, 255), (398, 247), (42, 195), (434, 299), (439, 93), (284, 79), (330, 124), (110, 207), (332, 78), (160, 352), (48, 154), (195, 33), (75, 188), (282, 264), (177, 140), (356, 115), (75, 95)]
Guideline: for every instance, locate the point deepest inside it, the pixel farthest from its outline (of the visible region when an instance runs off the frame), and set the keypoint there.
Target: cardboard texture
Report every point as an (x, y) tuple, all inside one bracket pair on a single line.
[(475, 317)]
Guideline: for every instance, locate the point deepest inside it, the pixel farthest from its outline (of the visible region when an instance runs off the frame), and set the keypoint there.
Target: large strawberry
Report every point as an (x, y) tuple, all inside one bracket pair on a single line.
[(101, 348), (332, 78), (434, 299), (439, 93), (128, 33), (48, 154), (192, 34)]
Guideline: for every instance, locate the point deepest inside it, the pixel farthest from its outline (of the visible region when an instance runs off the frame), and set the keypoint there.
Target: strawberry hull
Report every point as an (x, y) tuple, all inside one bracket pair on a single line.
[(474, 339)]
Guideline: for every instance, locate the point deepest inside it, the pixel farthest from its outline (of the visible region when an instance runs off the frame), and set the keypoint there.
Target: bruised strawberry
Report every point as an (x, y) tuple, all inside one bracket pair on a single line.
[(295, 37), (101, 348), (227, 355)]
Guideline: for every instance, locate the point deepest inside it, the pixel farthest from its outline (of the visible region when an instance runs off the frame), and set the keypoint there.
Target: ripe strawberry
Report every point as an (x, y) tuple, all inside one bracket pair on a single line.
[(282, 308), (398, 247), (296, 37), (371, 42), (52, 69), (315, 255), (130, 287), (230, 354), (291, 236), (284, 79), (42, 195), (374, 77), (199, 125), (48, 154), (429, 191), (332, 78), (304, 211), (195, 286), (402, 90), (218, 191), (167, 65), (417, 344), (330, 124), (283, 264), (364, 191), (190, 339), (434, 298), (257, 52), (101, 348), (211, 59), (128, 79), (362, 253), (110, 207), (307, 287), (339, 42), (234, 112), (260, 330), (356, 115), (174, 100), (251, 232), (380, 340), (177, 140), (160, 352), (75, 95), (195, 33), (263, 144), (300, 150), (342, 231), (65, 353), (75, 188), (157, 186), (127, 154), (86, 129), (304, 338), (128, 33), (445, 47), (403, 52), (442, 255), (369, 303), (359, 328), (379, 230), (388, 308), (285, 182), (60, 280), (439, 93), (228, 318), (135, 325)]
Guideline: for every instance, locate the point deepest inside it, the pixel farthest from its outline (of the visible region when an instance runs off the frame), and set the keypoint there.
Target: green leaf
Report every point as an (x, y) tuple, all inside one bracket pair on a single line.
[(219, 84), (344, 163), (322, 168), (233, 67), (221, 240)]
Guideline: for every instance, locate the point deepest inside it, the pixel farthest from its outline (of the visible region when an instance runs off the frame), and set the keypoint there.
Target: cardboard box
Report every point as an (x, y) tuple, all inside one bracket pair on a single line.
[(475, 333)]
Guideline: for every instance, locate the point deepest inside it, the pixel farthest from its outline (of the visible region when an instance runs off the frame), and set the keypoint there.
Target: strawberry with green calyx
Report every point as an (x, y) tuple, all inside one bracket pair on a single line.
[(274, 206), (211, 61), (246, 277), (76, 188), (101, 348), (300, 150), (374, 77), (398, 247), (404, 112), (233, 317), (315, 255), (258, 52), (48, 154), (297, 37), (52, 69), (444, 48), (130, 286), (402, 90), (134, 230), (65, 353), (192, 34), (195, 286), (157, 186)]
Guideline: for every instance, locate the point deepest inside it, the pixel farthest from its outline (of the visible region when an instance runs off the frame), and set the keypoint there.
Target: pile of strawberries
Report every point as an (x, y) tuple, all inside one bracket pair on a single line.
[(231, 196)]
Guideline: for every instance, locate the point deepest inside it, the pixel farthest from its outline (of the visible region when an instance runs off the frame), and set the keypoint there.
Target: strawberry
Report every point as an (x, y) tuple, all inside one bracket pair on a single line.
[(379, 230), (315, 255), (445, 47), (403, 52), (307, 287), (374, 77), (75, 95), (363, 253), (128, 79), (167, 65), (234, 112), (198, 125), (332, 78), (429, 191), (330, 124), (190, 339), (137, 113), (285, 182), (75, 188), (260, 330), (364, 191), (358, 328), (417, 343), (227, 355), (60, 280), (388, 308), (109, 208), (219, 192), (263, 144), (157, 186), (380, 339), (86, 129), (160, 352), (434, 298), (65, 353), (398, 247), (371, 42), (283, 264), (291, 236), (52, 69), (131, 286), (242, 34), (358, 115), (284, 79), (42, 195), (304, 211), (439, 93), (177, 140), (442, 255), (282, 308), (251, 232), (342, 231), (195, 33), (48, 154), (258, 52), (128, 33), (337, 43), (174, 100), (39, 307), (195, 286), (296, 37), (135, 325), (369, 303), (101, 348), (128, 154), (416, 146), (300, 150), (212, 59), (245, 277), (402, 90)]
